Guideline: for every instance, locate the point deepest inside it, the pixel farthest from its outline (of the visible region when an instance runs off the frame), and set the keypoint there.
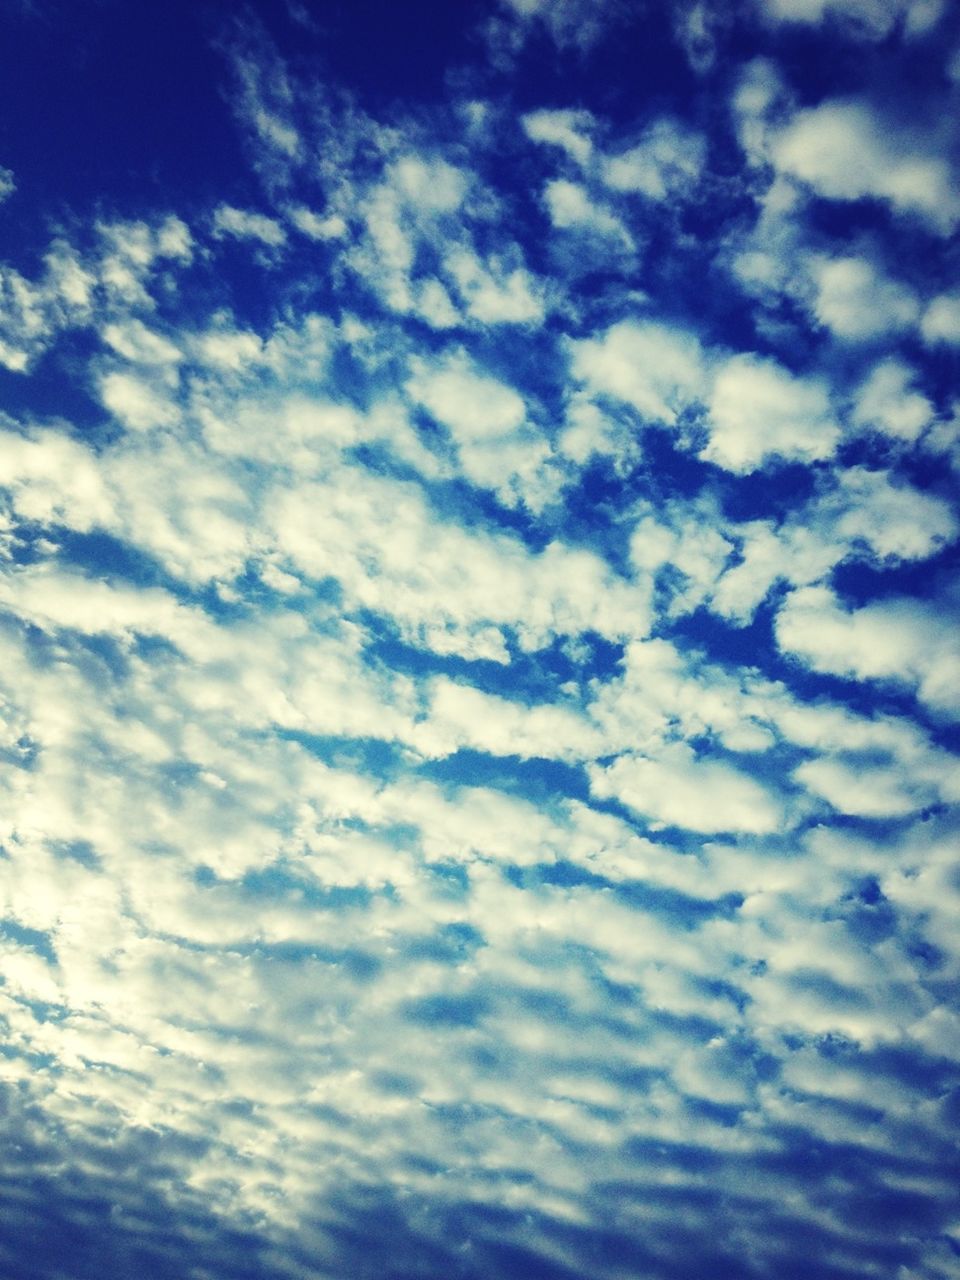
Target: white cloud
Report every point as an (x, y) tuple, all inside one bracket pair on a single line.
[(496, 447), (843, 150), (55, 480), (695, 25), (941, 320), (758, 94), (663, 694), (866, 19), (856, 302), (245, 224), (495, 291), (759, 410), (895, 520), (136, 403), (667, 162), (428, 186), (886, 402), (568, 130), (378, 538), (698, 795), (472, 404), (462, 716), (229, 350), (793, 553), (52, 600), (862, 790), (138, 344), (693, 547), (570, 205), (329, 227), (903, 641), (655, 369)]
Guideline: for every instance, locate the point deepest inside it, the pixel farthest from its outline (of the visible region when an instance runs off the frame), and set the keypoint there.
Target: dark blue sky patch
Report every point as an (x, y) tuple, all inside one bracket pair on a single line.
[(545, 780), (54, 392), (111, 130)]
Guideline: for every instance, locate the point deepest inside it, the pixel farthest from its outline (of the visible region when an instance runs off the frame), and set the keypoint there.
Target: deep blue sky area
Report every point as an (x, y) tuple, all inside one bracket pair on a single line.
[(479, 616)]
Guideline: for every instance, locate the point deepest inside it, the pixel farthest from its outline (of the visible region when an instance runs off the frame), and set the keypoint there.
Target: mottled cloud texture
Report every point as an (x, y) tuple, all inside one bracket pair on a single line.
[(479, 663)]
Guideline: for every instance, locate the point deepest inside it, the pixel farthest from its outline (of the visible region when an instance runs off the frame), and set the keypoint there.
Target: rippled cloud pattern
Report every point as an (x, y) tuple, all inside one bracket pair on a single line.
[(480, 640)]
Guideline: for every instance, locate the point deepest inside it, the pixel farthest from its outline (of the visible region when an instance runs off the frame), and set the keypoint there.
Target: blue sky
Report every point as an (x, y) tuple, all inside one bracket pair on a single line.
[(479, 664)]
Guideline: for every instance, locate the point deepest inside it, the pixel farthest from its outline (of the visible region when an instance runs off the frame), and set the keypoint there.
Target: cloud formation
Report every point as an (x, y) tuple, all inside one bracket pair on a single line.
[(478, 661)]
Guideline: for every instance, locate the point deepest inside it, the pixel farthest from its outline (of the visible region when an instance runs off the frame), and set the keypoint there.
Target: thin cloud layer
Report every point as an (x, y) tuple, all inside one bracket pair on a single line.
[(479, 651)]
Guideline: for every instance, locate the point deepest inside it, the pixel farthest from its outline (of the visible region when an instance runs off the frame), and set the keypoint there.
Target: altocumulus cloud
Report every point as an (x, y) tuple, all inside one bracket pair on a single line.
[(479, 647)]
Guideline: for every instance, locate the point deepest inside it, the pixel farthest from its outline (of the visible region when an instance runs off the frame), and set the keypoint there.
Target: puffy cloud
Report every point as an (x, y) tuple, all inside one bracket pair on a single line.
[(570, 206), (378, 538), (894, 520), (327, 777), (655, 369), (861, 790), (495, 290), (903, 641), (137, 404), (759, 410), (856, 302), (886, 402), (866, 19), (487, 420), (315, 226), (941, 319), (568, 130), (667, 162), (844, 151), (472, 404), (698, 795)]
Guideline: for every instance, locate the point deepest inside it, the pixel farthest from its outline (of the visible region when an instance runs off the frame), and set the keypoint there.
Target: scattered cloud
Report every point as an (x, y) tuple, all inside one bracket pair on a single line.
[(478, 655), (843, 150)]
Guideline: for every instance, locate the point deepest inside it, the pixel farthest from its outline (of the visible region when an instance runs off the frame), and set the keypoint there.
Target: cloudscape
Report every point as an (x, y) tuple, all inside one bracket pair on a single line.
[(479, 646)]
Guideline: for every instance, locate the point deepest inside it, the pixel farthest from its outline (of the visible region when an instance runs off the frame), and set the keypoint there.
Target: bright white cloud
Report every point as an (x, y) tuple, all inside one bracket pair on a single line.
[(472, 404), (759, 410), (862, 790), (136, 403), (894, 520), (941, 320), (679, 790), (856, 302), (843, 150), (655, 369), (903, 641), (887, 403), (495, 291)]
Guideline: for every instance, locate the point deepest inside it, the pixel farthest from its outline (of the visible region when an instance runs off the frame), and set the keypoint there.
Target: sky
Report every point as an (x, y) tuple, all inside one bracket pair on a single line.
[(479, 646)]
